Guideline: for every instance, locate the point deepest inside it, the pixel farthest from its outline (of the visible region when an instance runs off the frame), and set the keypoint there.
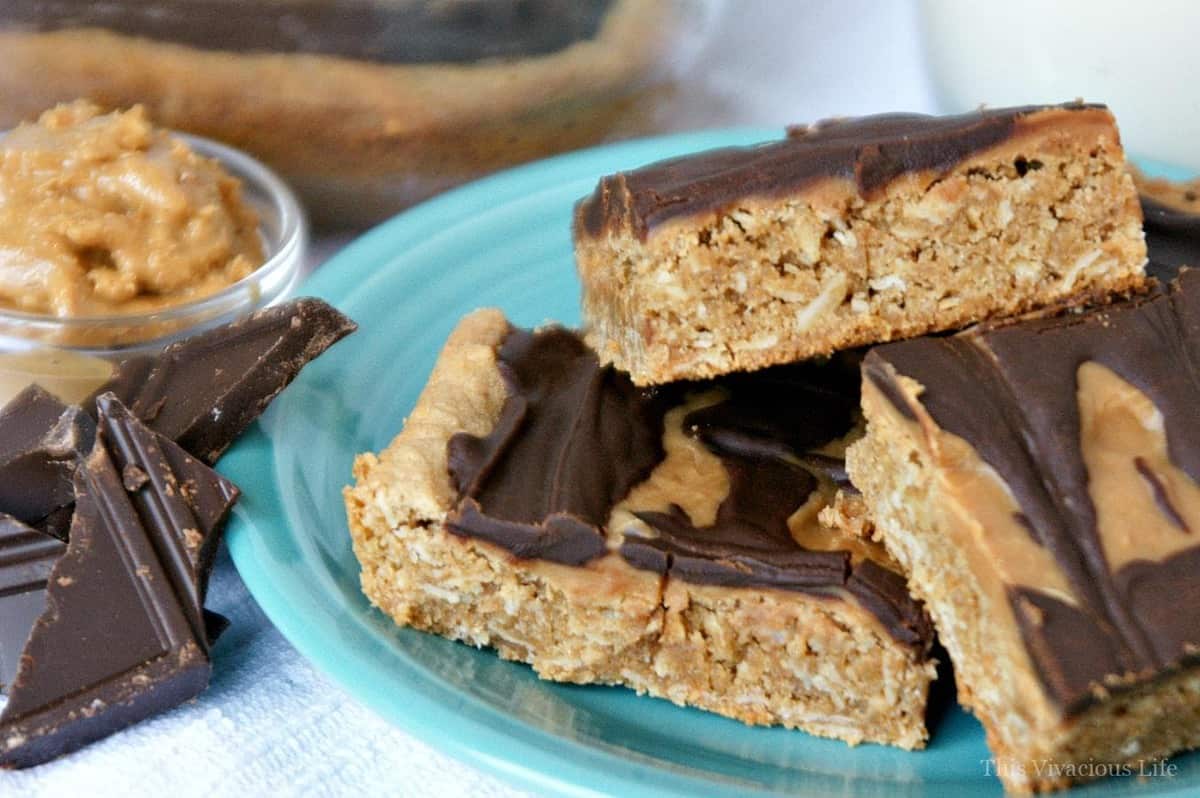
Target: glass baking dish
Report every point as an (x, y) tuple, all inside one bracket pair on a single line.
[(365, 106)]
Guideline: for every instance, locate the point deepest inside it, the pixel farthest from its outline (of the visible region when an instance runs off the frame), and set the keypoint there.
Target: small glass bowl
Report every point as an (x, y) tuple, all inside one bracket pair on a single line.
[(72, 356)]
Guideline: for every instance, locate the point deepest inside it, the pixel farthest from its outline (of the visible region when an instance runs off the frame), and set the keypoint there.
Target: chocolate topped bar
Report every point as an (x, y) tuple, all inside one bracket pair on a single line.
[(575, 441), (1040, 482), (869, 152), (697, 542), (1104, 476), (854, 232)]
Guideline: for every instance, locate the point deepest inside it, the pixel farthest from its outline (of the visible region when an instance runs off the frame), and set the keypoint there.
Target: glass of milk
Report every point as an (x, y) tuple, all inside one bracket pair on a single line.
[(1138, 58)]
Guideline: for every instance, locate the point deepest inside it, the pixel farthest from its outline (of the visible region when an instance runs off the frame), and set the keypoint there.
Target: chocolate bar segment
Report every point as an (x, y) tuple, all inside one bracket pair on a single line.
[(175, 489), (204, 391), (574, 438), (522, 486), (26, 559), (1040, 481), (124, 635), (41, 439)]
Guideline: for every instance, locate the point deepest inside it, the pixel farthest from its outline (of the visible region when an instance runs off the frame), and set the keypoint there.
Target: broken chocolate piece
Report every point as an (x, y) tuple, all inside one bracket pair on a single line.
[(171, 487), (204, 391), (124, 635), (41, 439), (26, 558)]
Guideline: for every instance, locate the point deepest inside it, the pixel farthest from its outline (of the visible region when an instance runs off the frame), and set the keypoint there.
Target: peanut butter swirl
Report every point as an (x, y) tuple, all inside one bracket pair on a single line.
[(565, 476), (1089, 423)]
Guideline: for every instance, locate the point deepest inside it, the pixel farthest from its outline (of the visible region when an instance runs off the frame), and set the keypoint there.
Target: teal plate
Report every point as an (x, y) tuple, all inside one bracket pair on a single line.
[(505, 241)]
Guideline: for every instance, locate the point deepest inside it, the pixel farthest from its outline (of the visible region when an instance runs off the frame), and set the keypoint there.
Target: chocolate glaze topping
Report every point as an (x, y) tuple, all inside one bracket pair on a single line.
[(764, 433), (460, 31), (975, 386), (871, 151), (574, 438), (1172, 239), (41, 440)]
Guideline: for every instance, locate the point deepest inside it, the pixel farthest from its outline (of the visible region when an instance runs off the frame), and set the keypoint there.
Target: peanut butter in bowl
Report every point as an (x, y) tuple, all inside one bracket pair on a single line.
[(104, 214), (117, 236)]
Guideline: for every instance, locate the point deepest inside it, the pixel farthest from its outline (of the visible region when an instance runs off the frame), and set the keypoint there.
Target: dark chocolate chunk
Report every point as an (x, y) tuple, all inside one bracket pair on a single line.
[(41, 440), (1008, 389), (124, 635), (522, 486), (26, 558), (870, 151), (203, 392), (459, 31), (174, 489)]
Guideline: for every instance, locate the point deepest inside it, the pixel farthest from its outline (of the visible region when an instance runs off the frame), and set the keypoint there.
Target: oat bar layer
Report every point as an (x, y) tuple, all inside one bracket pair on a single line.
[(1039, 483), (853, 232), (537, 503)]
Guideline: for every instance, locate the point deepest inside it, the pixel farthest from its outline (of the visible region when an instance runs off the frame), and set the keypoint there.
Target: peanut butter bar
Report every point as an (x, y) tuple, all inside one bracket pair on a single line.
[(683, 542), (853, 232), (1039, 483)]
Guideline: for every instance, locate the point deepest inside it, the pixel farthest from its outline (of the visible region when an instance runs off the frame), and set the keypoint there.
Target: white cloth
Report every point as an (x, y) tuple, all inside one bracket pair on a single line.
[(270, 724)]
